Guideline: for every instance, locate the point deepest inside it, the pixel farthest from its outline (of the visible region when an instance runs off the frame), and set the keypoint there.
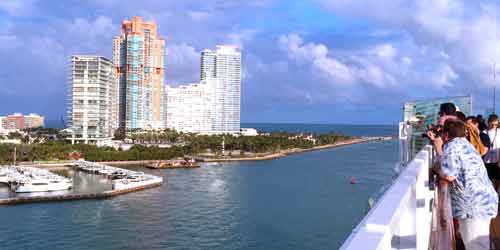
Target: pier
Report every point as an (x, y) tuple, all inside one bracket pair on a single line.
[(123, 181), (69, 197)]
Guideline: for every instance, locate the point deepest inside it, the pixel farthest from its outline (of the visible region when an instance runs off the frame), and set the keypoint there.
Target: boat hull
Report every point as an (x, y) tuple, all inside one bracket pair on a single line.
[(30, 188)]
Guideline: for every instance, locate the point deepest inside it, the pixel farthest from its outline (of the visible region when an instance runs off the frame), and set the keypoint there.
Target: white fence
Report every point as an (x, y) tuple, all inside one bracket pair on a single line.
[(402, 217)]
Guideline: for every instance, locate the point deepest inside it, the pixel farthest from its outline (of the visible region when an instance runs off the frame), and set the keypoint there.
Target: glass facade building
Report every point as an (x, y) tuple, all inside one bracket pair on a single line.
[(223, 67), (138, 55), (420, 114)]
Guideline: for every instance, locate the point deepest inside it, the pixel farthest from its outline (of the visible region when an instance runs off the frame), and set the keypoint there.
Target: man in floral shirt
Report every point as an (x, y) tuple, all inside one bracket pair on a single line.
[(473, 199)]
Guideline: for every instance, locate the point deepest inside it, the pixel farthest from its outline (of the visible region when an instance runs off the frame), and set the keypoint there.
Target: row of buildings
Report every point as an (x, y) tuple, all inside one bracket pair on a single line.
[(18, 121), (128, 91)]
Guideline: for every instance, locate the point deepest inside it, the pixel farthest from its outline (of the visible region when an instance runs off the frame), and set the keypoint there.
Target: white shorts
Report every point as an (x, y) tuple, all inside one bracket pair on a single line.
[(475, 233)]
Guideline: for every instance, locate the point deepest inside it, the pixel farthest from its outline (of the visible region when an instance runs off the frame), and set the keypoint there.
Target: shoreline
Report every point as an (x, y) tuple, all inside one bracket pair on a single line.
[(262, 157), (287, 152)]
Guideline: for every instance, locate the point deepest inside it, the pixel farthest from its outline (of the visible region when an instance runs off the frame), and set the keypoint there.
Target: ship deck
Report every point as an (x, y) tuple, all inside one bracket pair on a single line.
[(414, 213)]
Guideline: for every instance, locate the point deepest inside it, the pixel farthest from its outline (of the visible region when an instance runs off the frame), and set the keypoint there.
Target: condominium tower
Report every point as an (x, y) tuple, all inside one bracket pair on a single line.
[(91, 98), (224, 65), (189, 108), (138, 55)]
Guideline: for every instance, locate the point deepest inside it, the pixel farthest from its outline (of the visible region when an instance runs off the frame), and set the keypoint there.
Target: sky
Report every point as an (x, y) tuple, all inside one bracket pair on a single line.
[(330, 61)]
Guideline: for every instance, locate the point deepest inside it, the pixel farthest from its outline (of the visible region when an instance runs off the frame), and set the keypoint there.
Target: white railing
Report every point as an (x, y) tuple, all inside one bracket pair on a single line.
[(402, 217)]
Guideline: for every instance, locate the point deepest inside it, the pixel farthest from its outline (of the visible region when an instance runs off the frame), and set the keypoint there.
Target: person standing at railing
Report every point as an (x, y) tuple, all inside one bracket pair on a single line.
[(446, 111), (492, 158), (473, 135), (483, 128), (474, 201)]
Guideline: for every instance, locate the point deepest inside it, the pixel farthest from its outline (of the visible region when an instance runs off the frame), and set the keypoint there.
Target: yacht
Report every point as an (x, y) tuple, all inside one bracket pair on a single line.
[(121, 184), (106, 171), (28, 179), (41, 185), (4, 177)]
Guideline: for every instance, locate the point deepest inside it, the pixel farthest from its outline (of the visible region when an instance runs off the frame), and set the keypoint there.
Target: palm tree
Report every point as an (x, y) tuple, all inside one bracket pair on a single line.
[(133, 137)]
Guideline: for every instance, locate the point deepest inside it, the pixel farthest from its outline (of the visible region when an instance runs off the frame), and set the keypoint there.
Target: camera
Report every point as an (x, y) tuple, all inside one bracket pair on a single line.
[(435, 129)]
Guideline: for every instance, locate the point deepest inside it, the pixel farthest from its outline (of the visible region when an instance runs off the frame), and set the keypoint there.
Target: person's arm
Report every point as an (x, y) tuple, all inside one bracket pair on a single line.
[(438, 146), (437, 142), (450, 165), (449, 178)]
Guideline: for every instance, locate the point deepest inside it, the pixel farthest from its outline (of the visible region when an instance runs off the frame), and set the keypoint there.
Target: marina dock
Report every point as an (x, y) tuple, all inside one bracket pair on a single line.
[(123, 181), (69, 197)]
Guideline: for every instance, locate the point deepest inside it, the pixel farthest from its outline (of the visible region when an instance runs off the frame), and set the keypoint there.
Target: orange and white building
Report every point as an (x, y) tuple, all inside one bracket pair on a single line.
[(20, 121), (138, 55)]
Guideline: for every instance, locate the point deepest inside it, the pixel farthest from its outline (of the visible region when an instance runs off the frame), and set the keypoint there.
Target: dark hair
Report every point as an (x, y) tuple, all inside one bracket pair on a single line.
[(473, 119), (482, 123), (447, 108), (492, 118), (460, 116), (454, 128)]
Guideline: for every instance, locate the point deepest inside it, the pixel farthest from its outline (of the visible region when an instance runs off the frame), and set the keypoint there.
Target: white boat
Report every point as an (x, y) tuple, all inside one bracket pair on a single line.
[(4, 178), (106, 171), (122, 184), (55, 185), (42, 185), (122, 178)]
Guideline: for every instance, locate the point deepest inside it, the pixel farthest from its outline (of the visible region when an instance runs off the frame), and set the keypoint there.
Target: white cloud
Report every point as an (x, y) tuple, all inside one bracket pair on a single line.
[(385, 51), (182, 63), (8, 40), (444, 76), (199, 16), (458, 39), (374, 66), (317, 56), (17, 7), (102, 26), (241, 37)]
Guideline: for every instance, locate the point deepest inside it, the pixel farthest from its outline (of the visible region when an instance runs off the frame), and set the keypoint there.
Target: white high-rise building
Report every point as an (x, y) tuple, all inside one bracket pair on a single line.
[(223, 67), (91, 98), (190, 108)]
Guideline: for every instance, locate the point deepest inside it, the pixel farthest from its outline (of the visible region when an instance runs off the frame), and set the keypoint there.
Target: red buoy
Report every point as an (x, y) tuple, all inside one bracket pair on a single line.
[(353, 180)]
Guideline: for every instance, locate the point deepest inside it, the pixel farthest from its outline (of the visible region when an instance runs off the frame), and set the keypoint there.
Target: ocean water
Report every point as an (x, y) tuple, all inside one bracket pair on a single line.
[(303, 201)]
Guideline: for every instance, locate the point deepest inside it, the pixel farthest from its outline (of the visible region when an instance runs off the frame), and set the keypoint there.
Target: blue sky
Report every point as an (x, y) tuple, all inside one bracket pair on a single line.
[(330, 61)]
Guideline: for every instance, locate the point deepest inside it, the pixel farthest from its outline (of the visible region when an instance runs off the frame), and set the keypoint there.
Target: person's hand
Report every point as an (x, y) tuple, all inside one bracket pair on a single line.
[(431, 135), (438, 145), (438, 142)]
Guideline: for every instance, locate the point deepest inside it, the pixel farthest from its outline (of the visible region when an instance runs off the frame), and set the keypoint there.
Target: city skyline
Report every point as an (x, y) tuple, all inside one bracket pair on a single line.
[(128, 92), (309, 62)]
